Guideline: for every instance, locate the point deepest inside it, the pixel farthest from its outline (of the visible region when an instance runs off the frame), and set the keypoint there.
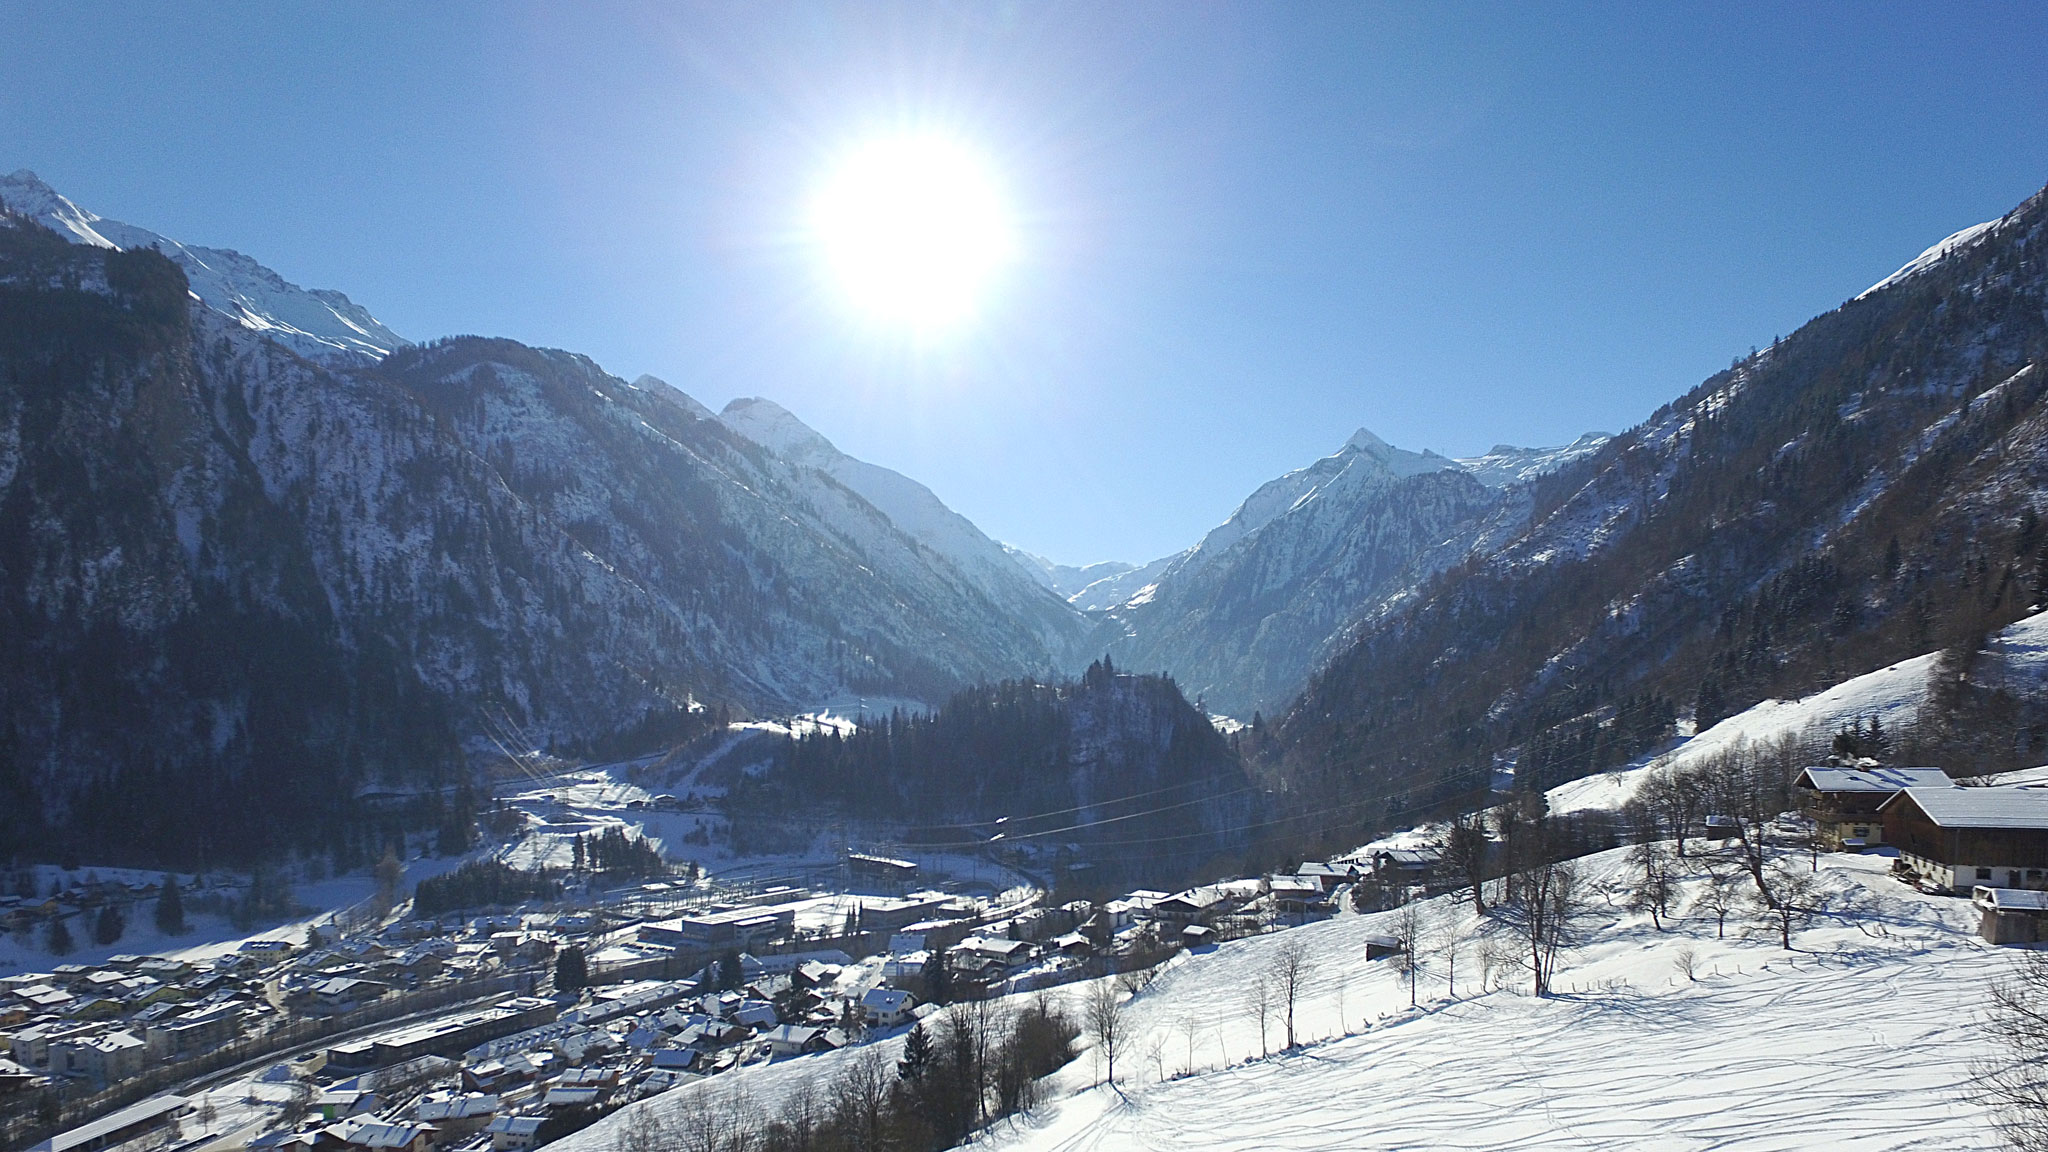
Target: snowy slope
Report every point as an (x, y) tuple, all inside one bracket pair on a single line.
[(1092, 587), (314, 322), (2015, 658), (1505, 464), (1862, 1038), (1949, 246), (916, 512), (1245, 616)]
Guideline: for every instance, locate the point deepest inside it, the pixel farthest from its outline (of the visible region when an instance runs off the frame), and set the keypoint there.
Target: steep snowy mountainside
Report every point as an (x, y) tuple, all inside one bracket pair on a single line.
[(1110, 591), (915, 511), (1949, 246), (1065, 579), (689, 403), (1242, 618), (1092, 587), (314, 322), (233, 571), (1505, 464), (1868, 489)]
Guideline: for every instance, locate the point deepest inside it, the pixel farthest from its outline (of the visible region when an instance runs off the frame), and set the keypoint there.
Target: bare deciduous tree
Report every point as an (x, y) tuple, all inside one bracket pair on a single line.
[(1409, 929), (1551, 906), (1103, 1017), (1258, 1002), (1788, 899), (2015, 1081), (1293, 969), (860, 1099), (1466, 851), (1719, 897), (1652, 889)]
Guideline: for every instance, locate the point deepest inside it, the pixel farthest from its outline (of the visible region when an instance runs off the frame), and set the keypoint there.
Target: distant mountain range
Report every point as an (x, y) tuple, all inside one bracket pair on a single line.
[(251, 540)]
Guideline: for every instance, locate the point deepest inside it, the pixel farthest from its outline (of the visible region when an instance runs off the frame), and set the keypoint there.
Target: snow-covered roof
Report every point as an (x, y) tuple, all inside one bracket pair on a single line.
[(885, 999), (1827, 779), (112, 1123), (1978, 807), (2009, 899)]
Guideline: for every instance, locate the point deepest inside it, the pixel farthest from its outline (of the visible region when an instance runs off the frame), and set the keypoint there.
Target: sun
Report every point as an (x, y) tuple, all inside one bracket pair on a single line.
[(913, 230)]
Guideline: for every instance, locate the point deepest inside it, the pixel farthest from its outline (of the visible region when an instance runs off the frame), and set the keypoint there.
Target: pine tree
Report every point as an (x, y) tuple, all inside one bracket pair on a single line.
[(170, 908), (572, 970), (60, 937), (109, 925), (917, 1055)]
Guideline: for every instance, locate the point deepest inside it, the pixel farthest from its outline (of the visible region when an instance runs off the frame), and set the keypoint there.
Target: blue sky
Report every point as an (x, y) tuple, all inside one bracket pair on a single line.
[(1246, 229)]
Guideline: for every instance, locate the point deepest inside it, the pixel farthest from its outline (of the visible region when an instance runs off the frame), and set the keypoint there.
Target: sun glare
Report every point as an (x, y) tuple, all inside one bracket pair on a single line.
[(913, 230)]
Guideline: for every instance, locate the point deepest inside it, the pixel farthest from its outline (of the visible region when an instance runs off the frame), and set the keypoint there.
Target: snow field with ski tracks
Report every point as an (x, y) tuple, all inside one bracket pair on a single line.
[(1863, 1037)]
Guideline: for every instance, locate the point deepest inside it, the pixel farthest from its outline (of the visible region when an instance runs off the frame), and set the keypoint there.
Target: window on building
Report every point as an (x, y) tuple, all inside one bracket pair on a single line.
[(1983, 873)]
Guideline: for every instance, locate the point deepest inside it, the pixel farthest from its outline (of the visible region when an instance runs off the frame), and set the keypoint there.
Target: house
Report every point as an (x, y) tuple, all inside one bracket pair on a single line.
[(385, 1137), (1957, 838), (341, 1103), (576, 1097), (1297, 895), (103, 1058), (989, 956), (514, 1132), (1331, 876), (1404, 867), (795, 1040), (887, 1007), (457, 1116), (344, 993), (1195, 904), (1843, 802), (1197, 935), (2011, 915)]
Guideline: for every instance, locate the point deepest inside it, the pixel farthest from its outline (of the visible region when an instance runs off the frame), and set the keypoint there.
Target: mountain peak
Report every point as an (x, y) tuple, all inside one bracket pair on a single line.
[(777, 429), (316, 323), (1400, 461), (648, 383)]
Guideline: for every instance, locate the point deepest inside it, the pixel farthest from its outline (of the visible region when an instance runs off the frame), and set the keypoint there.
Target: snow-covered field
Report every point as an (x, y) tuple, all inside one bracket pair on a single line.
[(1863, 1037)]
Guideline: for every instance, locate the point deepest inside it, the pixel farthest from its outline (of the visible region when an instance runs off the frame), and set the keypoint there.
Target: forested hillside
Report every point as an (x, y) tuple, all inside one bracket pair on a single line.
[(1117, 766), (1865, 490)]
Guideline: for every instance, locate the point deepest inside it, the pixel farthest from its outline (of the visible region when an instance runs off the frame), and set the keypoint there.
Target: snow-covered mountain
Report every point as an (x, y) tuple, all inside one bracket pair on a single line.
[(1091, 587), (236, 570), (913, 510), (1243, 617), (1504, 464), (317, 323), (1868, 489)]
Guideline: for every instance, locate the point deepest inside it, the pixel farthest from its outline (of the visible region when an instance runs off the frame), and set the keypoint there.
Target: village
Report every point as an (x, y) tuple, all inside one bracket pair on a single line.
[(507, 1028)]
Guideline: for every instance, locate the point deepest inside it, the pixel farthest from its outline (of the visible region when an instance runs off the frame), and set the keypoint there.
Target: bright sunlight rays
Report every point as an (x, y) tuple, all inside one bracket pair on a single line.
[(913, 230)]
